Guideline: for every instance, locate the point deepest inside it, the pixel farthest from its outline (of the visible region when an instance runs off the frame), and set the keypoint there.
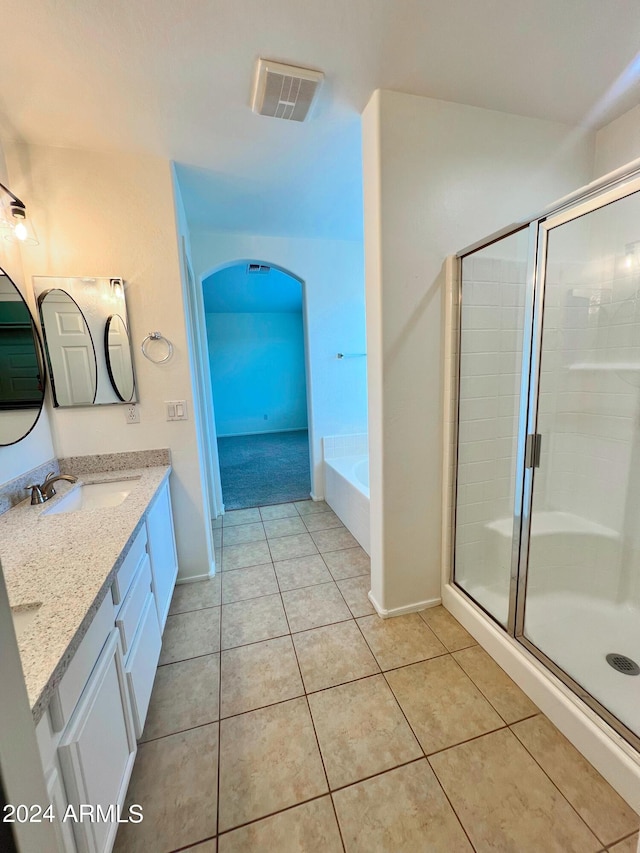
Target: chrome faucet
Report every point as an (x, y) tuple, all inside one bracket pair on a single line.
[(42, 493)]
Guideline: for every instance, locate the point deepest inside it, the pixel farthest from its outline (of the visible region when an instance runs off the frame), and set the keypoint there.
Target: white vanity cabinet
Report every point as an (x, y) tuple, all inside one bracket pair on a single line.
[(162, 550), (87, 737), (98, 748)]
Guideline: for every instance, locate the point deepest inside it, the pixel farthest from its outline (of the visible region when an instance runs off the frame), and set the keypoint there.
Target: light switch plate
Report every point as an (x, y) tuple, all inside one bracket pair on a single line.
[(176, 410)]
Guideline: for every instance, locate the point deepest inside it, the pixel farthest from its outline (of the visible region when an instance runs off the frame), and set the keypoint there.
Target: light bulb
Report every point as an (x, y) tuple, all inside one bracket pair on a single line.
[(20, 231)]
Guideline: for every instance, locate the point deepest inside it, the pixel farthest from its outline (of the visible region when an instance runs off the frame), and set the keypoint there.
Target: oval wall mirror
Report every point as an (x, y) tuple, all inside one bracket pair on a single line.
[(117, 347), (22, 377), (70, 351)]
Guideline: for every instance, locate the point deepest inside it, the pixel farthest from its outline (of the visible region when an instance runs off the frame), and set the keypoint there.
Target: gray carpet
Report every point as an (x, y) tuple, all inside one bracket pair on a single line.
[(271, 468)]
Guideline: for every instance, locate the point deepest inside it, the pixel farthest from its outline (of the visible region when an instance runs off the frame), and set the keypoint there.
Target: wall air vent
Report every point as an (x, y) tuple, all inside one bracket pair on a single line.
[(257, 269), (284, 91)]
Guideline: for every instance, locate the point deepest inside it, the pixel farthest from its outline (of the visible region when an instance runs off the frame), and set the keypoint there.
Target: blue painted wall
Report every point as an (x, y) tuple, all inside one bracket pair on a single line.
[(257, 369)]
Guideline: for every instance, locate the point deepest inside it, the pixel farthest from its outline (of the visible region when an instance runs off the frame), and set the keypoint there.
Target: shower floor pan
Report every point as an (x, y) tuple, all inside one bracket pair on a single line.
[(578, 632)]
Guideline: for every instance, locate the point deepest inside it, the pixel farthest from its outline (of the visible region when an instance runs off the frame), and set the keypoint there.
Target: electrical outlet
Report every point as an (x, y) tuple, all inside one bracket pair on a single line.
[(132, 414)]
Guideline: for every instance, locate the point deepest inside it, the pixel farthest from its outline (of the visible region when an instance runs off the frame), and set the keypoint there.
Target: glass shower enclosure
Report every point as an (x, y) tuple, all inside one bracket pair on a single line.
[(547, 489)]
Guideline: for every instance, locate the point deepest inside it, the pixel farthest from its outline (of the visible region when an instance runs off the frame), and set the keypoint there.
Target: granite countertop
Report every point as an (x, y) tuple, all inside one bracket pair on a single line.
[(67, 562)]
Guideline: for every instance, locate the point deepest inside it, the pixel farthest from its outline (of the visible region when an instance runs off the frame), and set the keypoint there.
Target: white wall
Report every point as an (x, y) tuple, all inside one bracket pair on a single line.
[(437, 176), (113, 214), (37, 447), (257, 371), (333, 308), (617, 143)]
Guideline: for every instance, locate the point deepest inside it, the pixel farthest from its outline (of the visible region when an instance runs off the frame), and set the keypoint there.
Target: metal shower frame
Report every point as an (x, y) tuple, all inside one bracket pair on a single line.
[(595, 196)]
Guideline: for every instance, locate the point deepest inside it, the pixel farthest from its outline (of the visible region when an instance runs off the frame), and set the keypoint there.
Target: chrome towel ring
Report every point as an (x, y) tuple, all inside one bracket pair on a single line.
[(156, 336)]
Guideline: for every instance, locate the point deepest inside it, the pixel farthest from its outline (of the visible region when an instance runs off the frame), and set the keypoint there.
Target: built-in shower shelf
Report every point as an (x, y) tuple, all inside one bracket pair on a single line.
[(617, 366), (550, 522)]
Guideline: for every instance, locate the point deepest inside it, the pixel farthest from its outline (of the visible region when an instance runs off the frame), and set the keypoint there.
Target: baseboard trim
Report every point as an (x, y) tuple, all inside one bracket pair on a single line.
[(262, 432), (407, 608), (194, 578), (315, 497)]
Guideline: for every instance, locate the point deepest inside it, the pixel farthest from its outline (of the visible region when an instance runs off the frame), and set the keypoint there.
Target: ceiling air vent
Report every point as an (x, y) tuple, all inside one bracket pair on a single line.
[(284, 91), (257, 269)]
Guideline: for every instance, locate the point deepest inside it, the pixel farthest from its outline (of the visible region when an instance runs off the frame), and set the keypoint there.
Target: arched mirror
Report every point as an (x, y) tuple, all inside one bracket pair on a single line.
[(117, 347), (101, 301), (22, 377), (70, 351)]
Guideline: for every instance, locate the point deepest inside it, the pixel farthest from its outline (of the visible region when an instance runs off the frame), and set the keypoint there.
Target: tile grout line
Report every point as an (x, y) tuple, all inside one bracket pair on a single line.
[(627, 837), (424, 755), (250, 597), (306, 694), (509, 726), (480, 691), (220, 718), (383, 672), (268, 816), (537, 763), (195, 844), (313, 725), (179, 732), (315, 734), (195, 609)]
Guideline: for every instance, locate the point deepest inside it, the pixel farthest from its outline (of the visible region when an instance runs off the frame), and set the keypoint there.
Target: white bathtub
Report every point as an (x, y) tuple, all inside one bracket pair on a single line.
[(346, 489)]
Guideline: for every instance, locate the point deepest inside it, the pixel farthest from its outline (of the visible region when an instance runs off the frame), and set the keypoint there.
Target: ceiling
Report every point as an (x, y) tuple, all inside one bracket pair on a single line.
[(173, 78), (233, 291)]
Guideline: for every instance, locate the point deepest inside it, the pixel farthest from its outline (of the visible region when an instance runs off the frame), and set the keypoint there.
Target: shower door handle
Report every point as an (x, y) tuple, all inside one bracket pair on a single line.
[(532, 450)]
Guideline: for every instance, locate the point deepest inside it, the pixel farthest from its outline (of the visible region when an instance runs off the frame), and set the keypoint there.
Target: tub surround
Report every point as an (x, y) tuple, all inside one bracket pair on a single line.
[(347, 494), (346, 481), (68, 562)]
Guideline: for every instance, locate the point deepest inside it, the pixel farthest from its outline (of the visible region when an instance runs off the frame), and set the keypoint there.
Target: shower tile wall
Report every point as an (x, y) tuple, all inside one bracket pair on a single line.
[(589, 420), (592, 319), (491, 354)]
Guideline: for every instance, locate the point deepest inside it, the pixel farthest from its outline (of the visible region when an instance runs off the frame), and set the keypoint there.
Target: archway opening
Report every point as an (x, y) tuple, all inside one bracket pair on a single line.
[(256, 341)]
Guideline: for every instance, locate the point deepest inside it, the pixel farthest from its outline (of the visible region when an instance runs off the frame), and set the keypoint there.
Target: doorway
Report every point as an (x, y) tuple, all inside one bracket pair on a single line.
[(256, 345)]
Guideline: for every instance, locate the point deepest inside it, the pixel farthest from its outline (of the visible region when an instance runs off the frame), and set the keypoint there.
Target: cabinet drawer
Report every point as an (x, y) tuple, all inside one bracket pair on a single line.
[(83, 661), (142, 662), (129, 615), (126, 572)]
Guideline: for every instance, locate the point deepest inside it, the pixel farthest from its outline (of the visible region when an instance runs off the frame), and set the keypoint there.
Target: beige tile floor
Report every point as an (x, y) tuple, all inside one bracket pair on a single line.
[(286, 717)]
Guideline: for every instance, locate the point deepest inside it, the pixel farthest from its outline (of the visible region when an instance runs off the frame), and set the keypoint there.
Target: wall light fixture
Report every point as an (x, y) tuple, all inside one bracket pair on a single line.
[(13, 220)]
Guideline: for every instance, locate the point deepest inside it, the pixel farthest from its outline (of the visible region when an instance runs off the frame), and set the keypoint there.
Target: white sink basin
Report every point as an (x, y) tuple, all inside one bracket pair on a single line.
[(93, 496), (23, 617)]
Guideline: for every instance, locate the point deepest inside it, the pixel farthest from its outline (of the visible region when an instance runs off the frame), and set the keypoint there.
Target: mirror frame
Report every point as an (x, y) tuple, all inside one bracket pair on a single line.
[(41, 299), (116, 390), (41, 358)]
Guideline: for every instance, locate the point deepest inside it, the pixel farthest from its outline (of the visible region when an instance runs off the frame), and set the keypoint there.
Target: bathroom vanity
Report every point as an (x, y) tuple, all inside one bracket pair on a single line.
[(90, 588)]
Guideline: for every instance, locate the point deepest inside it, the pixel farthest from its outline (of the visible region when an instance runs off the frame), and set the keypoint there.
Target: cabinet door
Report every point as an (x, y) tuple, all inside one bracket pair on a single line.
[(162, 550), (98, 748), (142, 662), (58, 800)]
